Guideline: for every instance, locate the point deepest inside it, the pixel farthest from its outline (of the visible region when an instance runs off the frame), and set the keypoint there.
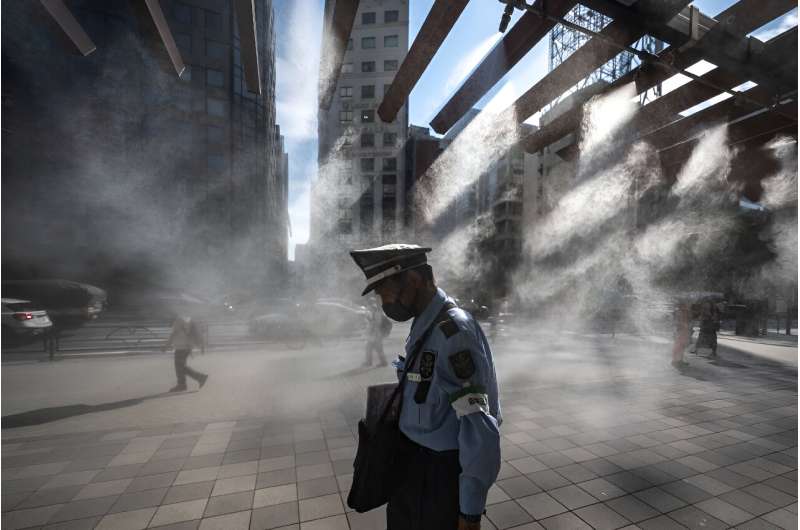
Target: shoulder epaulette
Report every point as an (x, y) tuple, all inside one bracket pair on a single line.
[(446, 324)]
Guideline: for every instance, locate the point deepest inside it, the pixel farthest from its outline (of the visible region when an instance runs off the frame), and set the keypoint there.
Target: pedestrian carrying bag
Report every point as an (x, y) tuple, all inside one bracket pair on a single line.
[(377, 457)]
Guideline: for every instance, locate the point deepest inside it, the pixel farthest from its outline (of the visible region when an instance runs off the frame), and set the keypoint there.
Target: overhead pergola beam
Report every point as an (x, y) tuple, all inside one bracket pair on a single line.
[(761, 125), (517, 42), (591, 56), (716, 42), (683, 127), (341, 24), (65, 19), (154, 7), (746, 16), (248, 44), (662, 110), (649, 75), (434, 30)]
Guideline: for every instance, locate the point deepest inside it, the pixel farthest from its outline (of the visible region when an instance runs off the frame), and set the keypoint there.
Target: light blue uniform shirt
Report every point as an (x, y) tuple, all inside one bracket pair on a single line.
[(462, 409)]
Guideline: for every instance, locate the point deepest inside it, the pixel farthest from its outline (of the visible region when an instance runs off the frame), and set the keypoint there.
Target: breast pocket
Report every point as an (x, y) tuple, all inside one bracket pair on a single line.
[(432, 413)]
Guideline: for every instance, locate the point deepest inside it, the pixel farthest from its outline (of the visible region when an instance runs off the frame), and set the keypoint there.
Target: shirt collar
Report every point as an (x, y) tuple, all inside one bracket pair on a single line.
[(425, 318)]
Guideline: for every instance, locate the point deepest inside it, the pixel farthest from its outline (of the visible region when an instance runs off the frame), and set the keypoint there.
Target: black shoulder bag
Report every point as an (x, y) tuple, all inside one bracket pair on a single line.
[(377, 454)]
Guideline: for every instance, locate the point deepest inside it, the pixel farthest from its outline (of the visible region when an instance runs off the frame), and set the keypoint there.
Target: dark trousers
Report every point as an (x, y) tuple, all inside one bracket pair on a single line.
[(182, 369), (427, 495)]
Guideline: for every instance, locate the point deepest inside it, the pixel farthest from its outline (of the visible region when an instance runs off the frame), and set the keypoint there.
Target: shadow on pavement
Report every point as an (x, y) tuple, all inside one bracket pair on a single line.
[(46, 415)]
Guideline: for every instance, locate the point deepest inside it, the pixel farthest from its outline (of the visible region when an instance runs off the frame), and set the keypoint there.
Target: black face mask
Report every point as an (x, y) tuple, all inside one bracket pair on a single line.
[(396, 310)]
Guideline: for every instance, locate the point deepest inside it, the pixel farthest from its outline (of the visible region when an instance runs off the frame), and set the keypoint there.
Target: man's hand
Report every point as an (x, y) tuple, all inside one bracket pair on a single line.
[(466, 525)]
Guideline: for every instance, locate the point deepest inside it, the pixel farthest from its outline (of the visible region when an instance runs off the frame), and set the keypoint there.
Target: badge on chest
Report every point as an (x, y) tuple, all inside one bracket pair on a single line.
[(427, 363)]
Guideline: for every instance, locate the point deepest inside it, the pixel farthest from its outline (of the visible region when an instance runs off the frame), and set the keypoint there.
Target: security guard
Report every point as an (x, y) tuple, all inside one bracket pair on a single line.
[(451, 411)]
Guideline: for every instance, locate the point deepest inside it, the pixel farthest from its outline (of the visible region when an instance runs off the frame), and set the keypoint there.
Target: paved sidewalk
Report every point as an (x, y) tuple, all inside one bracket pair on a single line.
[(712, 447)]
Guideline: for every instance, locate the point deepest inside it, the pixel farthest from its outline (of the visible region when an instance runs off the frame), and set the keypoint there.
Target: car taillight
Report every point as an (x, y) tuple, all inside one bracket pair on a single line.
[(23, 316)]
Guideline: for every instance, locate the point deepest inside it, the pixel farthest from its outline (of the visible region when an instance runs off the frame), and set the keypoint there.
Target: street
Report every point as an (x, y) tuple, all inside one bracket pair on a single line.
[(597, 431)]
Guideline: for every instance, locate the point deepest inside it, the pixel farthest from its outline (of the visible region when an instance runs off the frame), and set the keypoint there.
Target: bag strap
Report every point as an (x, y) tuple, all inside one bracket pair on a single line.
[(442, 316)]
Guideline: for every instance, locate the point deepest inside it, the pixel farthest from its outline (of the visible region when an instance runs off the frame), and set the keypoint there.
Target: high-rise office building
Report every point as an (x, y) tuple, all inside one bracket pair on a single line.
[(143, 170), (358, 197), (360, 156)]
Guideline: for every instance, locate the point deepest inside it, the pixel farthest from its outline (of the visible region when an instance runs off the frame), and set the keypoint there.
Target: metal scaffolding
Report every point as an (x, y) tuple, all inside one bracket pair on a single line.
[(564, 41)]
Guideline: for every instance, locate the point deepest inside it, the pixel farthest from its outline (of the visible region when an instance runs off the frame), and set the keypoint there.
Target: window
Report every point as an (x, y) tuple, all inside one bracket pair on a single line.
[(215, 134), (391, 41), (367, 208), (346, 91), (215, 50), (349, 44), (368, 18), (367, 116), (391, 16), (367, 91), (216, 108), (186, 75), (389, 208), (390, 164), (367, 43), (213, 22), (184, 43), (345, 116), (345, 225), (390, 65), (215, 78), (389, 184), (368, 66), (347, 68), (345, 215), (367, 164), (389, 139), (182, 13), (216, 163), (367, 139)]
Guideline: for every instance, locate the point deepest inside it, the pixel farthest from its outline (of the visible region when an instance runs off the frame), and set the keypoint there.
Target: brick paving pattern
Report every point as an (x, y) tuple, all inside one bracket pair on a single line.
[(715, 447)]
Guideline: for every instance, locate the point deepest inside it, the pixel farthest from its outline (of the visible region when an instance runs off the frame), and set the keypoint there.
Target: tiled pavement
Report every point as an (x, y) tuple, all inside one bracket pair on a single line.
[(712, 448)]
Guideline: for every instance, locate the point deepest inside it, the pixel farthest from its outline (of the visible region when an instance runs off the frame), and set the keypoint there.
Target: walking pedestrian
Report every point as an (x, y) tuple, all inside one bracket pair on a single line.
[(378, 327), (450, 415), (682, 334), (184, 337), (709, 325)]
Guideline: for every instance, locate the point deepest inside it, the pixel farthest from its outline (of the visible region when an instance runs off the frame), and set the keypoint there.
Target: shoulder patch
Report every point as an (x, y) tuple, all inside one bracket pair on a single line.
[(462, 364), (449, 328)]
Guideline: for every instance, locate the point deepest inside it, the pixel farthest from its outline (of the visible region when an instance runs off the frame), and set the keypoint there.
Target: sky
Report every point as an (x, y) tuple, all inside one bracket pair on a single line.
[(299, 30)]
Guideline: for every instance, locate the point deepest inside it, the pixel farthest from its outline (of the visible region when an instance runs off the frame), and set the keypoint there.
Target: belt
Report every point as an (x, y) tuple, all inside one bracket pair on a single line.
[(410, 446)]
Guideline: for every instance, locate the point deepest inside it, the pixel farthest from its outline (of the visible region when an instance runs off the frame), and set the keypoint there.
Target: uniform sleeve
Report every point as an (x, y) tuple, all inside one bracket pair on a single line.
[(465, 375)]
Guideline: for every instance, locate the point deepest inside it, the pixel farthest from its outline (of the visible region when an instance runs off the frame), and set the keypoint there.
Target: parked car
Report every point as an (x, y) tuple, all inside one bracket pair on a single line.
[(22, 321), (67, 303)]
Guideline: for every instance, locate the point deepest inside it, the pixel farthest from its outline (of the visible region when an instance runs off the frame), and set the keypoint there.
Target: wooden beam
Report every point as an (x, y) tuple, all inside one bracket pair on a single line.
[(664, 109), (342, 18), (716, 43), (684, 127), (649, 75), (746, 16), (764, 124), (70, 25), (434, 30), (517, 42), (154, 6), (248, 44), (589, 57)]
